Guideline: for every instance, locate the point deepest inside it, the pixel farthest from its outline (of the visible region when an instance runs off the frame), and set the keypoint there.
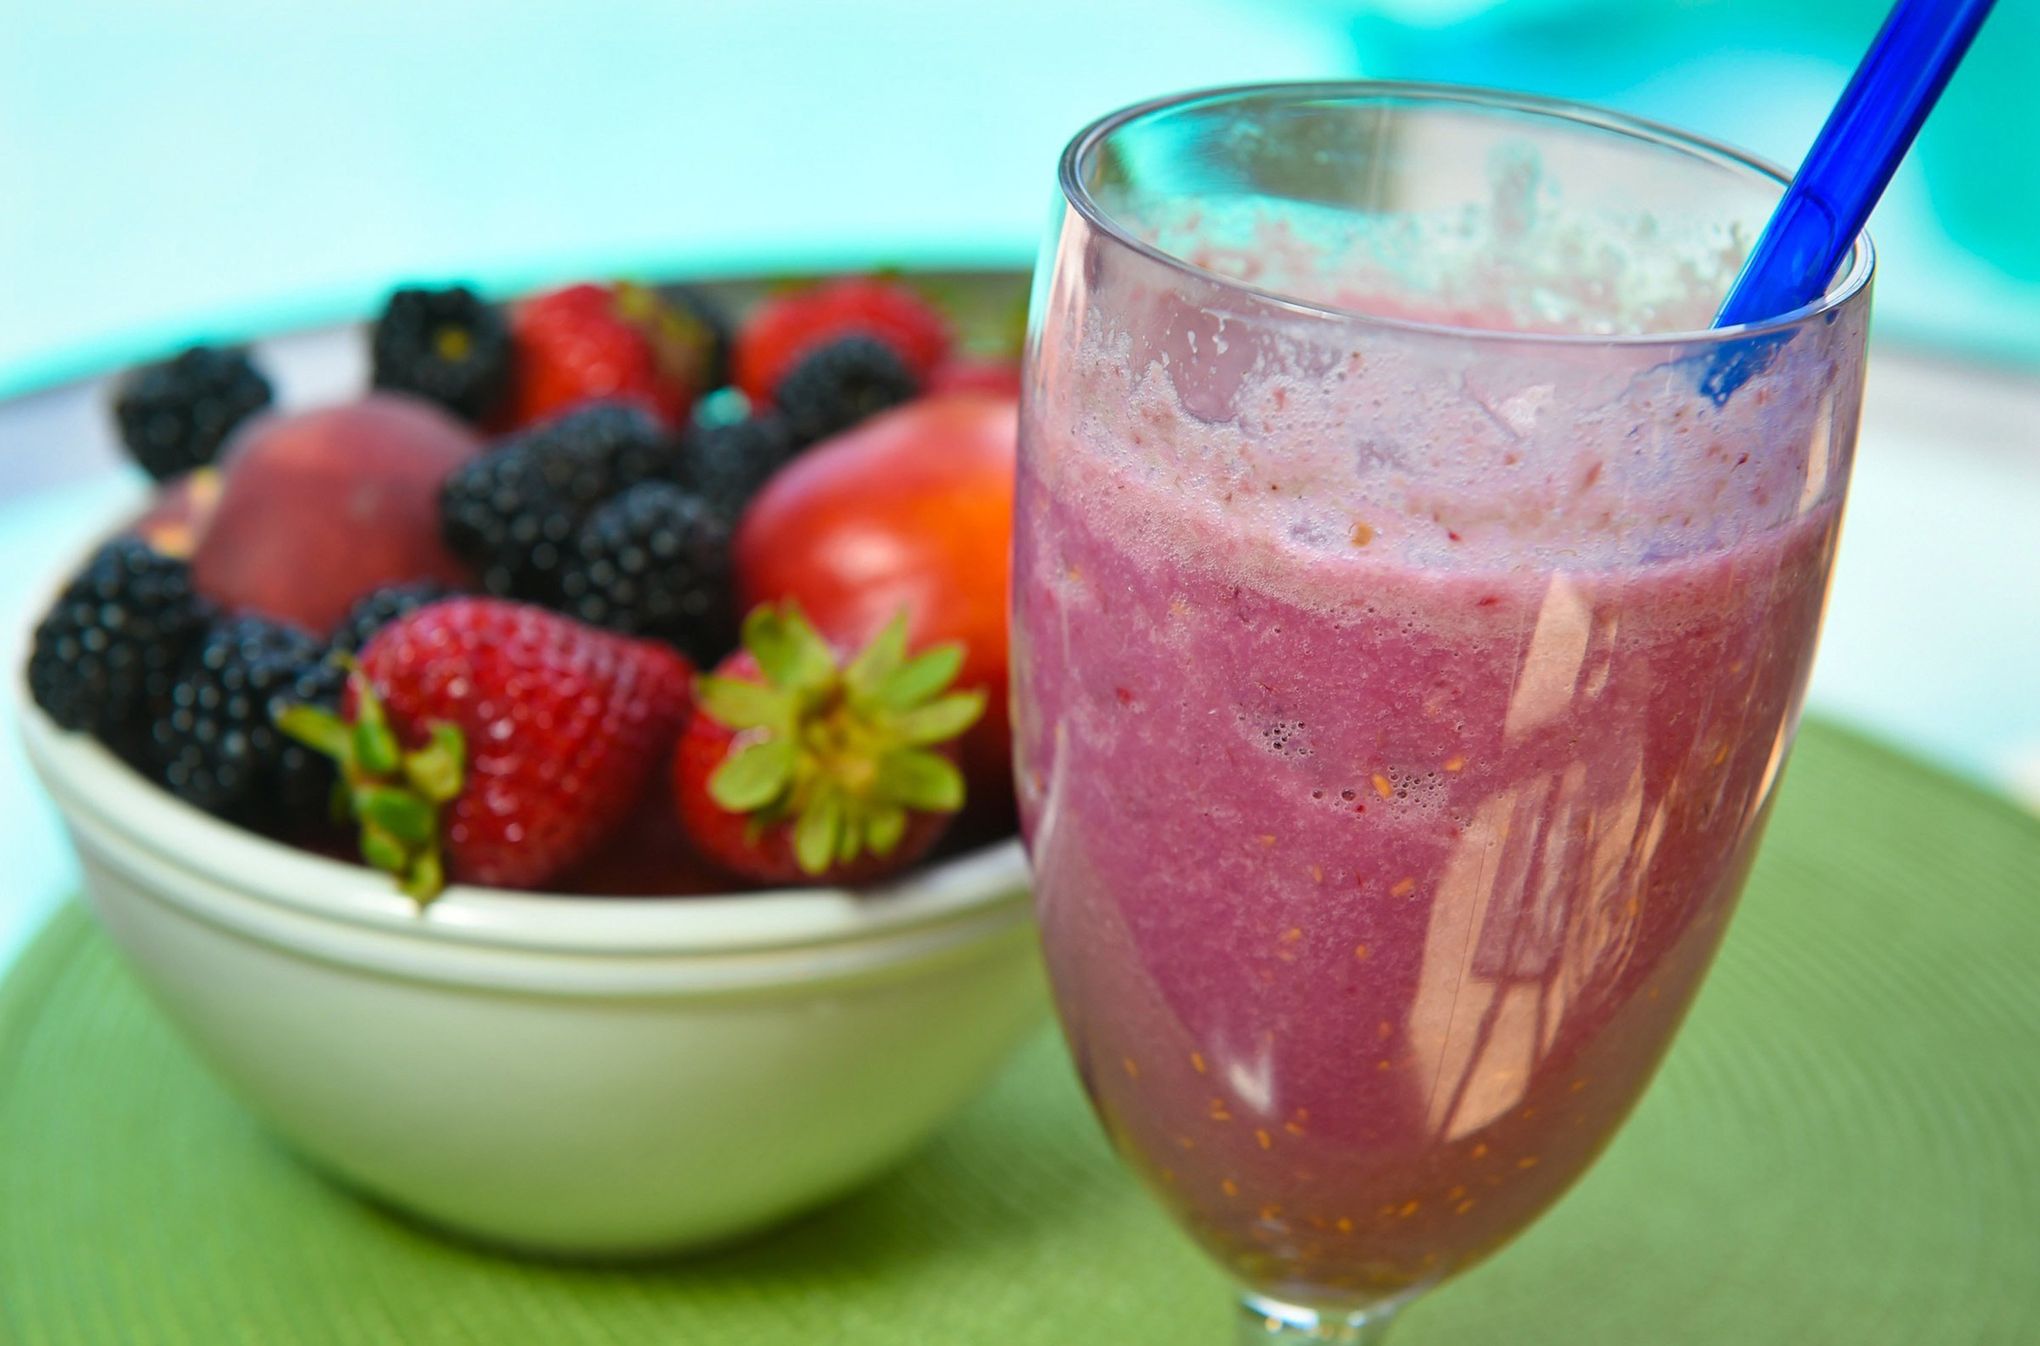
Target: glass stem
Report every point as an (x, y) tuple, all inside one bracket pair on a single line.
[(1271, 1322)]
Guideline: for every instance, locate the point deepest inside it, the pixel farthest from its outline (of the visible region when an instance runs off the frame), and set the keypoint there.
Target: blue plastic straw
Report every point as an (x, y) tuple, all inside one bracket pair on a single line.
[(1850, 164), (1853, 157)]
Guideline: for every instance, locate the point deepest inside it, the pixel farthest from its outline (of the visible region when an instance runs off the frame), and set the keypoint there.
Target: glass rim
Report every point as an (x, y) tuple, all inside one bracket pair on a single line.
[(1852, 281)]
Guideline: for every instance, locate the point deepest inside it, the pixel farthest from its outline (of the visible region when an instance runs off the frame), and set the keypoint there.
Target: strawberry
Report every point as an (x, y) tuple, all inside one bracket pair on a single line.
[(649, 856), (483, 741), (621, 341), (790, 325), (797, 768)]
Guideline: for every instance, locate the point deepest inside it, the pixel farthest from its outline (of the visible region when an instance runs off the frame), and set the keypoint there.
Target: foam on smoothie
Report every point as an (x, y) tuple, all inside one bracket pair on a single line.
[(1251, 446), (1524, 259)]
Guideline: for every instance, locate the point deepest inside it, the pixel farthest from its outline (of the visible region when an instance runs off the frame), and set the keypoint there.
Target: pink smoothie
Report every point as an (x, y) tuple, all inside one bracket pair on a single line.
[(1388, 796)]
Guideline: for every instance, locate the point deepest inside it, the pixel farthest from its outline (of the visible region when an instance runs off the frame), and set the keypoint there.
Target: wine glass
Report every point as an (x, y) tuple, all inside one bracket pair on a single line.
[(1408, 637)]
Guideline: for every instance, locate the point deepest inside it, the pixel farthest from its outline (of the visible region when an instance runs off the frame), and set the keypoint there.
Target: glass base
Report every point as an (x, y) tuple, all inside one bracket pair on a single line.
[(1270, 1322)]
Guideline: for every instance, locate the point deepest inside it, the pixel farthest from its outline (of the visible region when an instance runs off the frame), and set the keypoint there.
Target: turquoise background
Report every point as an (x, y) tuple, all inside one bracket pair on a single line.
[(189, 167), (1959, 263)]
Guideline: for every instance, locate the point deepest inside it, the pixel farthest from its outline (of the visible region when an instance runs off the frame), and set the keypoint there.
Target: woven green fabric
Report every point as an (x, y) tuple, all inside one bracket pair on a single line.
[(1844, 1148)]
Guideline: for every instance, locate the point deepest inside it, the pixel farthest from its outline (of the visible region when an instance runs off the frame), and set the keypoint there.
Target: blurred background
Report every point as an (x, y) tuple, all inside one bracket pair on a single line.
[(173, 170), (234, 164)]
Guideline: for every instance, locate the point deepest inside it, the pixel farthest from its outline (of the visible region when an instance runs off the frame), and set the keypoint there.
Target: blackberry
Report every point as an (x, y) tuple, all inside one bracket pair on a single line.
[(835, 386), (444, 345), (305, 778), (373, 612), (654, 562), (216, 745), (106, 653), (175, 414), (514, 511), (726, 464)]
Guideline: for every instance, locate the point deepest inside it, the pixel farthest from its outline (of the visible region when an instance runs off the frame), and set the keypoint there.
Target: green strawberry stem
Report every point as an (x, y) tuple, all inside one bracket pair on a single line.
[(394, 793), (841, 755)]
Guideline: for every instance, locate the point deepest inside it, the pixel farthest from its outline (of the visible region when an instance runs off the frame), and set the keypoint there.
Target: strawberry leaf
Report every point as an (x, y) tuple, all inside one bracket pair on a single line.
[(834, 760), (427, 875), (320, 730), (636, 303), (940, 720), (395, 795), (737, 704), (435, 770), (851, 844), (376, 749), (920, 780), (880, 659), (816, 835), (920, 677), (398, 812), (792, 654), (383, 851), (882, 832), (754, 776)]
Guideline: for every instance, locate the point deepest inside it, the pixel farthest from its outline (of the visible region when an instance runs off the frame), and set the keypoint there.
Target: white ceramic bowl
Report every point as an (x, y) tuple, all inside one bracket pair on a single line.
[(575, 1075)]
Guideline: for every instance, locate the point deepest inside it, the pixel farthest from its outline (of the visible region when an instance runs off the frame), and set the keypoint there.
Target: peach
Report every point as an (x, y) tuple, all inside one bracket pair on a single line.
[(318, 508)]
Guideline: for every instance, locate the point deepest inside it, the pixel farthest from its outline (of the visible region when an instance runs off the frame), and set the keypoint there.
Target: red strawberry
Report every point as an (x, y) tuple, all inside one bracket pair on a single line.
[(649, 856), (796, 768), (490, 742), (606, 341), (788, 326)]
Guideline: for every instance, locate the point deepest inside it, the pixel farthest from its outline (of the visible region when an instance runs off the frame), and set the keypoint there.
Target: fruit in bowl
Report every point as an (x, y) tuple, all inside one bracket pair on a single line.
[(362, 720), (464, 614), (318, 509)]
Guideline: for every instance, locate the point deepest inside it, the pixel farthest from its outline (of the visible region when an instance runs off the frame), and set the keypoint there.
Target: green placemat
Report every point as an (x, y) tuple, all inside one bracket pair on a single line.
[(1844, 1148)]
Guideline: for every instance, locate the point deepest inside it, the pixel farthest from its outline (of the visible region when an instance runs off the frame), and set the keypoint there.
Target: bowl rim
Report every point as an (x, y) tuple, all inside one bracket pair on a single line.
[(82, 776)]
